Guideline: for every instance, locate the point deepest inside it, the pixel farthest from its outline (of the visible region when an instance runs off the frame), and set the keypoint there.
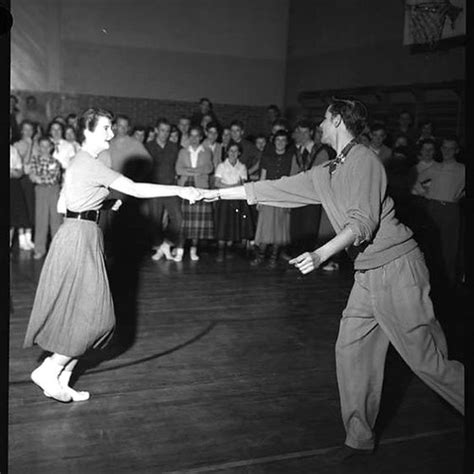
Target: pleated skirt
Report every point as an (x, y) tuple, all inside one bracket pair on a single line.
[(198, 218), (273, 226), (73, 309)]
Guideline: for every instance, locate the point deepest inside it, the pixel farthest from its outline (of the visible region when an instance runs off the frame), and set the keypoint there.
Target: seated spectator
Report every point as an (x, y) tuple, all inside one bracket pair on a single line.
[(45, 171), (212, 134), (138, 133), (71, 137), (234, 221), (378, 135), (273, 226), (63, 150), (194, 168)]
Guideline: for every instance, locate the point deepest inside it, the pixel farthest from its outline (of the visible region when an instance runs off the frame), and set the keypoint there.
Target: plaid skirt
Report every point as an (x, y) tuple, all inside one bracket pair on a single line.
[(198, 218)]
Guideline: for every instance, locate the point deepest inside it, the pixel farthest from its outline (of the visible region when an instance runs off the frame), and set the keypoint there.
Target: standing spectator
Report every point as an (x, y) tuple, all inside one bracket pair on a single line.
[(164, 154), (175, 135), (304, 221), (405, 127), (249, 156), (19, 218), (212, 133), (60, 119), (183, 125), (273, 226), (150, 134), (206, 120), (194, 167), (400, 141), (34, 112), (63, 150), (443, 185), (364, 139), (72, 120), (273, 113), (70, 135), (45, 172), (234, 221), (205, 108), (225, 139), (128, 156), (14, 118), (260, 144), (378, 135), (138, 133), (26, 148), (426, 131)]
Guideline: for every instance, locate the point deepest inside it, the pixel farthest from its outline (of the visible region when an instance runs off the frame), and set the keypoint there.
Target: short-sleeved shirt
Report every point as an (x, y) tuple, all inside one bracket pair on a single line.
[(86, 183), (231, 174), (15, 159)]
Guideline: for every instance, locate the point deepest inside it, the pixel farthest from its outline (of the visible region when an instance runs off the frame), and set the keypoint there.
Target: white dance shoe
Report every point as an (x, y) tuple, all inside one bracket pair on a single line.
[(46, 377)]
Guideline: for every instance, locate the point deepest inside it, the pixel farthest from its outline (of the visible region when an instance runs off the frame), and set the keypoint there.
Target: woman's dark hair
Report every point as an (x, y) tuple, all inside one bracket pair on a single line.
[(281, 133), (213, 125), (140, 128), (425, 141), (55, 122), (89, 120), (282, 122), (70, 127), (205, 99), (353, 113), (238, 145)]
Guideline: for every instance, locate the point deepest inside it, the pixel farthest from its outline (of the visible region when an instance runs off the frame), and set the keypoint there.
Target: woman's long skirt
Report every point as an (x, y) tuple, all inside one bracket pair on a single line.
[(273, 226), (73, 309)]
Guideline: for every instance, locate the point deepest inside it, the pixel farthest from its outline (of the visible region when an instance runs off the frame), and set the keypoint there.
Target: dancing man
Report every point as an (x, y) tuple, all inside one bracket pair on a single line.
[(73, 309), (389, 301)]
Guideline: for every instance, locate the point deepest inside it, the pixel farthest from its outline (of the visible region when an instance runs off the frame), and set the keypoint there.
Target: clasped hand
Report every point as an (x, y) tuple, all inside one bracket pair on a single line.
[(194, 194)]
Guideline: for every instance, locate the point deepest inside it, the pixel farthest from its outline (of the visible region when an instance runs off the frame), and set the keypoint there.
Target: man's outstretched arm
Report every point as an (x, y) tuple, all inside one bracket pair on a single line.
[(294, 191)]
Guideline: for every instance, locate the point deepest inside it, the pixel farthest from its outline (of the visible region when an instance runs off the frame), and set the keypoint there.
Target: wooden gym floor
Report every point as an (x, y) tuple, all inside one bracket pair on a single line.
[(217, 367)]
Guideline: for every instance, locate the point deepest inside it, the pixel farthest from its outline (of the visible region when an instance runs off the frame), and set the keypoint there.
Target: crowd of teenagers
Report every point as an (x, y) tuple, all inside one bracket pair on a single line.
[(425, 180)]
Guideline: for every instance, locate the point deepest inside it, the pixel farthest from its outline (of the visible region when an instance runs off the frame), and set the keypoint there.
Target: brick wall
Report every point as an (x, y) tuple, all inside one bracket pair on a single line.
[(143, 111)]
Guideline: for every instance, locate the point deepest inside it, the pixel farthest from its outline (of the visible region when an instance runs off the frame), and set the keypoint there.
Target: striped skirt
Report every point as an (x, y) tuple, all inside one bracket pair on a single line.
[(198, 218), (73, 308)]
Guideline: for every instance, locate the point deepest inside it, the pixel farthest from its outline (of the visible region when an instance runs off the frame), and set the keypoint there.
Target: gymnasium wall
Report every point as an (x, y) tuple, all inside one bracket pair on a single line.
[(233, 52), (358, 43)]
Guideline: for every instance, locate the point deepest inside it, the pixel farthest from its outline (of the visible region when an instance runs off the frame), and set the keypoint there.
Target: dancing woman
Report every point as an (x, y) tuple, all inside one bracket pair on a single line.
[(73, 308)]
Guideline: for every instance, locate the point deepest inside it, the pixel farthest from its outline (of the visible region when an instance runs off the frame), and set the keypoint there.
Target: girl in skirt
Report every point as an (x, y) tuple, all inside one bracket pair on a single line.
[(273, 226), (73, 309), (233, 218), (27, 147), (194, 167)]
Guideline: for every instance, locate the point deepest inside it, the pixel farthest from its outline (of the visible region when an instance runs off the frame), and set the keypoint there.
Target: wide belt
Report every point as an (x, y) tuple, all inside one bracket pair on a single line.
[(84, 215)]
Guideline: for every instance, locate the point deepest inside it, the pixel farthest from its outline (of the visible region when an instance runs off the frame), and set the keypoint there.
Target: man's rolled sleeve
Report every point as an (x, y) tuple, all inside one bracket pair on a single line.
[(294, 191), (365, 196)]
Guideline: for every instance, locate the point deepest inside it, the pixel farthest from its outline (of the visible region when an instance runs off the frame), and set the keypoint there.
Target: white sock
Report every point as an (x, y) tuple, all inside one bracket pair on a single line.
[(76, 396)]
